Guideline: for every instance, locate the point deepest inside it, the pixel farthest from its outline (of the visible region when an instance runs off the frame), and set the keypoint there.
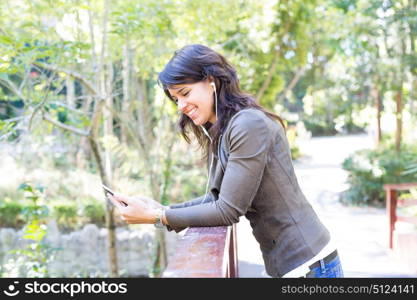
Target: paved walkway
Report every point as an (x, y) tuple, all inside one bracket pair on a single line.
[(359, 233)]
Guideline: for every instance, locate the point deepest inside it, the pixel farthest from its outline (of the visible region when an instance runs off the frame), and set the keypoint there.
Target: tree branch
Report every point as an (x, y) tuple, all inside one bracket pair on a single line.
[(25, 78), (45, 98), (48, 118), (271, 72), (14, 119), (273, 65), (68, 107), (72, 73), (95, 119), (10, 85), (292, 84), (140, 143)]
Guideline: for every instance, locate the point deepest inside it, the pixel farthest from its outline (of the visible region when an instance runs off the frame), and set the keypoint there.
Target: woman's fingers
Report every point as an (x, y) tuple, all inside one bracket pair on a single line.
[(114, 201), (124, 200), (138, 210), (148, 201), (117, 201)]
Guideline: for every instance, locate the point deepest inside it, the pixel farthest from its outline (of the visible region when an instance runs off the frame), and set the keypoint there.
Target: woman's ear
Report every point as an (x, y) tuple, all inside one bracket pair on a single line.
[(211, 82), (210, 79)]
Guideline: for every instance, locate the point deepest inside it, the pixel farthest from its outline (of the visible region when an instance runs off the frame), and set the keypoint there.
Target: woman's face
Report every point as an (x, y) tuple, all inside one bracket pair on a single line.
[(195, 100)]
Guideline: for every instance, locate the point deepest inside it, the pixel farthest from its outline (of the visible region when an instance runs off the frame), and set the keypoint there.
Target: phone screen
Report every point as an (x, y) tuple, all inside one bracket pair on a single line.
[(108, 190)]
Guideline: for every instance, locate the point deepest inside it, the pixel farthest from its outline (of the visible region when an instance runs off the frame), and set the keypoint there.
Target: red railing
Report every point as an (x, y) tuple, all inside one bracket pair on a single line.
[(205, 252), (393, 202)]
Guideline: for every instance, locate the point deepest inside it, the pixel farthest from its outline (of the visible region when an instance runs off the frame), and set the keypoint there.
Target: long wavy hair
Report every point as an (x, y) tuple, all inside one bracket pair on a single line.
[(194, 63)]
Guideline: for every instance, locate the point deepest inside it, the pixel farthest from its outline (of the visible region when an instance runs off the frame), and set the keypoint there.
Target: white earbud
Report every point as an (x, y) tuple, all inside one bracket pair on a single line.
[(215, 95)]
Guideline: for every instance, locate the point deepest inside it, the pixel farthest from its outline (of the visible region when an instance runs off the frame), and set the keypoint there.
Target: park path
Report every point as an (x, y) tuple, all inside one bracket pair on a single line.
[(359, 233)]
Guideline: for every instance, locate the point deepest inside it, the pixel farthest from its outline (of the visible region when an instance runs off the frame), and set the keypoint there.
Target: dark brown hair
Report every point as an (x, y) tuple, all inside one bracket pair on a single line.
[(194, 63)]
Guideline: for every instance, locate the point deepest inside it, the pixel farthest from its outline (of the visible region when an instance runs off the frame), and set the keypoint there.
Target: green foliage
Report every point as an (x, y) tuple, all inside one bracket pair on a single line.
[(7, 130), (69, 215), (32, 261), (36, 210), (317, 126), (65, 214), (292, 136), (331, 110), (411, 169), (343, 51), (10, 213), (95, 212), (369, 170)]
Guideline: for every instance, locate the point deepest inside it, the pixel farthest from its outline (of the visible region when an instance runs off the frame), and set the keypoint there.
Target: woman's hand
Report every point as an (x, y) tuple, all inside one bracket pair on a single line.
[(151, 202), (139, 210)]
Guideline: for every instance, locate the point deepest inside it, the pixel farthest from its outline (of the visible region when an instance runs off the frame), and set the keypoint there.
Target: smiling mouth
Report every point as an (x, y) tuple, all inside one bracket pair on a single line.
[(192, 113)]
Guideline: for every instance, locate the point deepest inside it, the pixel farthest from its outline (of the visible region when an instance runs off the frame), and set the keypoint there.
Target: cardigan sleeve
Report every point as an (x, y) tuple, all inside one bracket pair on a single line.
[(249, 138), (195, 201)]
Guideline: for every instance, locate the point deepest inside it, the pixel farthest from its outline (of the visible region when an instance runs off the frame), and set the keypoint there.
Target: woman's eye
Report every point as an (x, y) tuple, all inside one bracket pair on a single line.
[(184, 95)]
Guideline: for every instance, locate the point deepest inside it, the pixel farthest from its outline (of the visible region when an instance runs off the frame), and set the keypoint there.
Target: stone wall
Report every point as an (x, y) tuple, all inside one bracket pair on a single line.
[(84, 253)]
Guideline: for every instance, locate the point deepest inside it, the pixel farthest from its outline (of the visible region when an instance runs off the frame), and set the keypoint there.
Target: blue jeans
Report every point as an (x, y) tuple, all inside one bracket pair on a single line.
[(332, 269)]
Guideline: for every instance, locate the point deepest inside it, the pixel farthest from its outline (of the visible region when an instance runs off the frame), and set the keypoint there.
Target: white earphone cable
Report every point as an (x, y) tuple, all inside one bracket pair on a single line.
[(211, 141)]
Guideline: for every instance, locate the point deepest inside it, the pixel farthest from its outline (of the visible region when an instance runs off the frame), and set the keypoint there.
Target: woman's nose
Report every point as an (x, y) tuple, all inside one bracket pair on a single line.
[(181, 105)]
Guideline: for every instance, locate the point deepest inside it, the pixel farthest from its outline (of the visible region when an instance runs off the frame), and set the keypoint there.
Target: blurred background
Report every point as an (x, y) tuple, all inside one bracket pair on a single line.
[(80, 105)]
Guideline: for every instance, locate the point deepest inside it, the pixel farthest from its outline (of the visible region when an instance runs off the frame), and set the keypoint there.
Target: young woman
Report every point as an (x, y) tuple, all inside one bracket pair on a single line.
[(250, 170)]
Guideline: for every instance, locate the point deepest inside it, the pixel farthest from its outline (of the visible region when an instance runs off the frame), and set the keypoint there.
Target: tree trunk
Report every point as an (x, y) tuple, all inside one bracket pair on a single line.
[(70, 91), (103, 88), (108, 131), (274, 62), (141, 96), (160, 262), (268, 79), (378, 107), (161, 257), (413, 71), (399, 128), (83, 151), (413, 102), (108, 118), (100, 81), (110, 223), (126, 86), (399, 98), (292, 84), (144, 129), (81, 155)]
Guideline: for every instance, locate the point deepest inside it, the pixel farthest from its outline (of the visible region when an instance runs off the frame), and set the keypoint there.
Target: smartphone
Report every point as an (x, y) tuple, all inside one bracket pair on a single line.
[(108, 190)]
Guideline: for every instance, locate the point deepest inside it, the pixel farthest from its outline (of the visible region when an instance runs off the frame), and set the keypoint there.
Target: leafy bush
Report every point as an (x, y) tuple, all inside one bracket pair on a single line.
[(10, 214), (65, 214), (292, 138), (32, 261), (69, 214), (319, 127), (95, 212), (31, 210), (369, 170)]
